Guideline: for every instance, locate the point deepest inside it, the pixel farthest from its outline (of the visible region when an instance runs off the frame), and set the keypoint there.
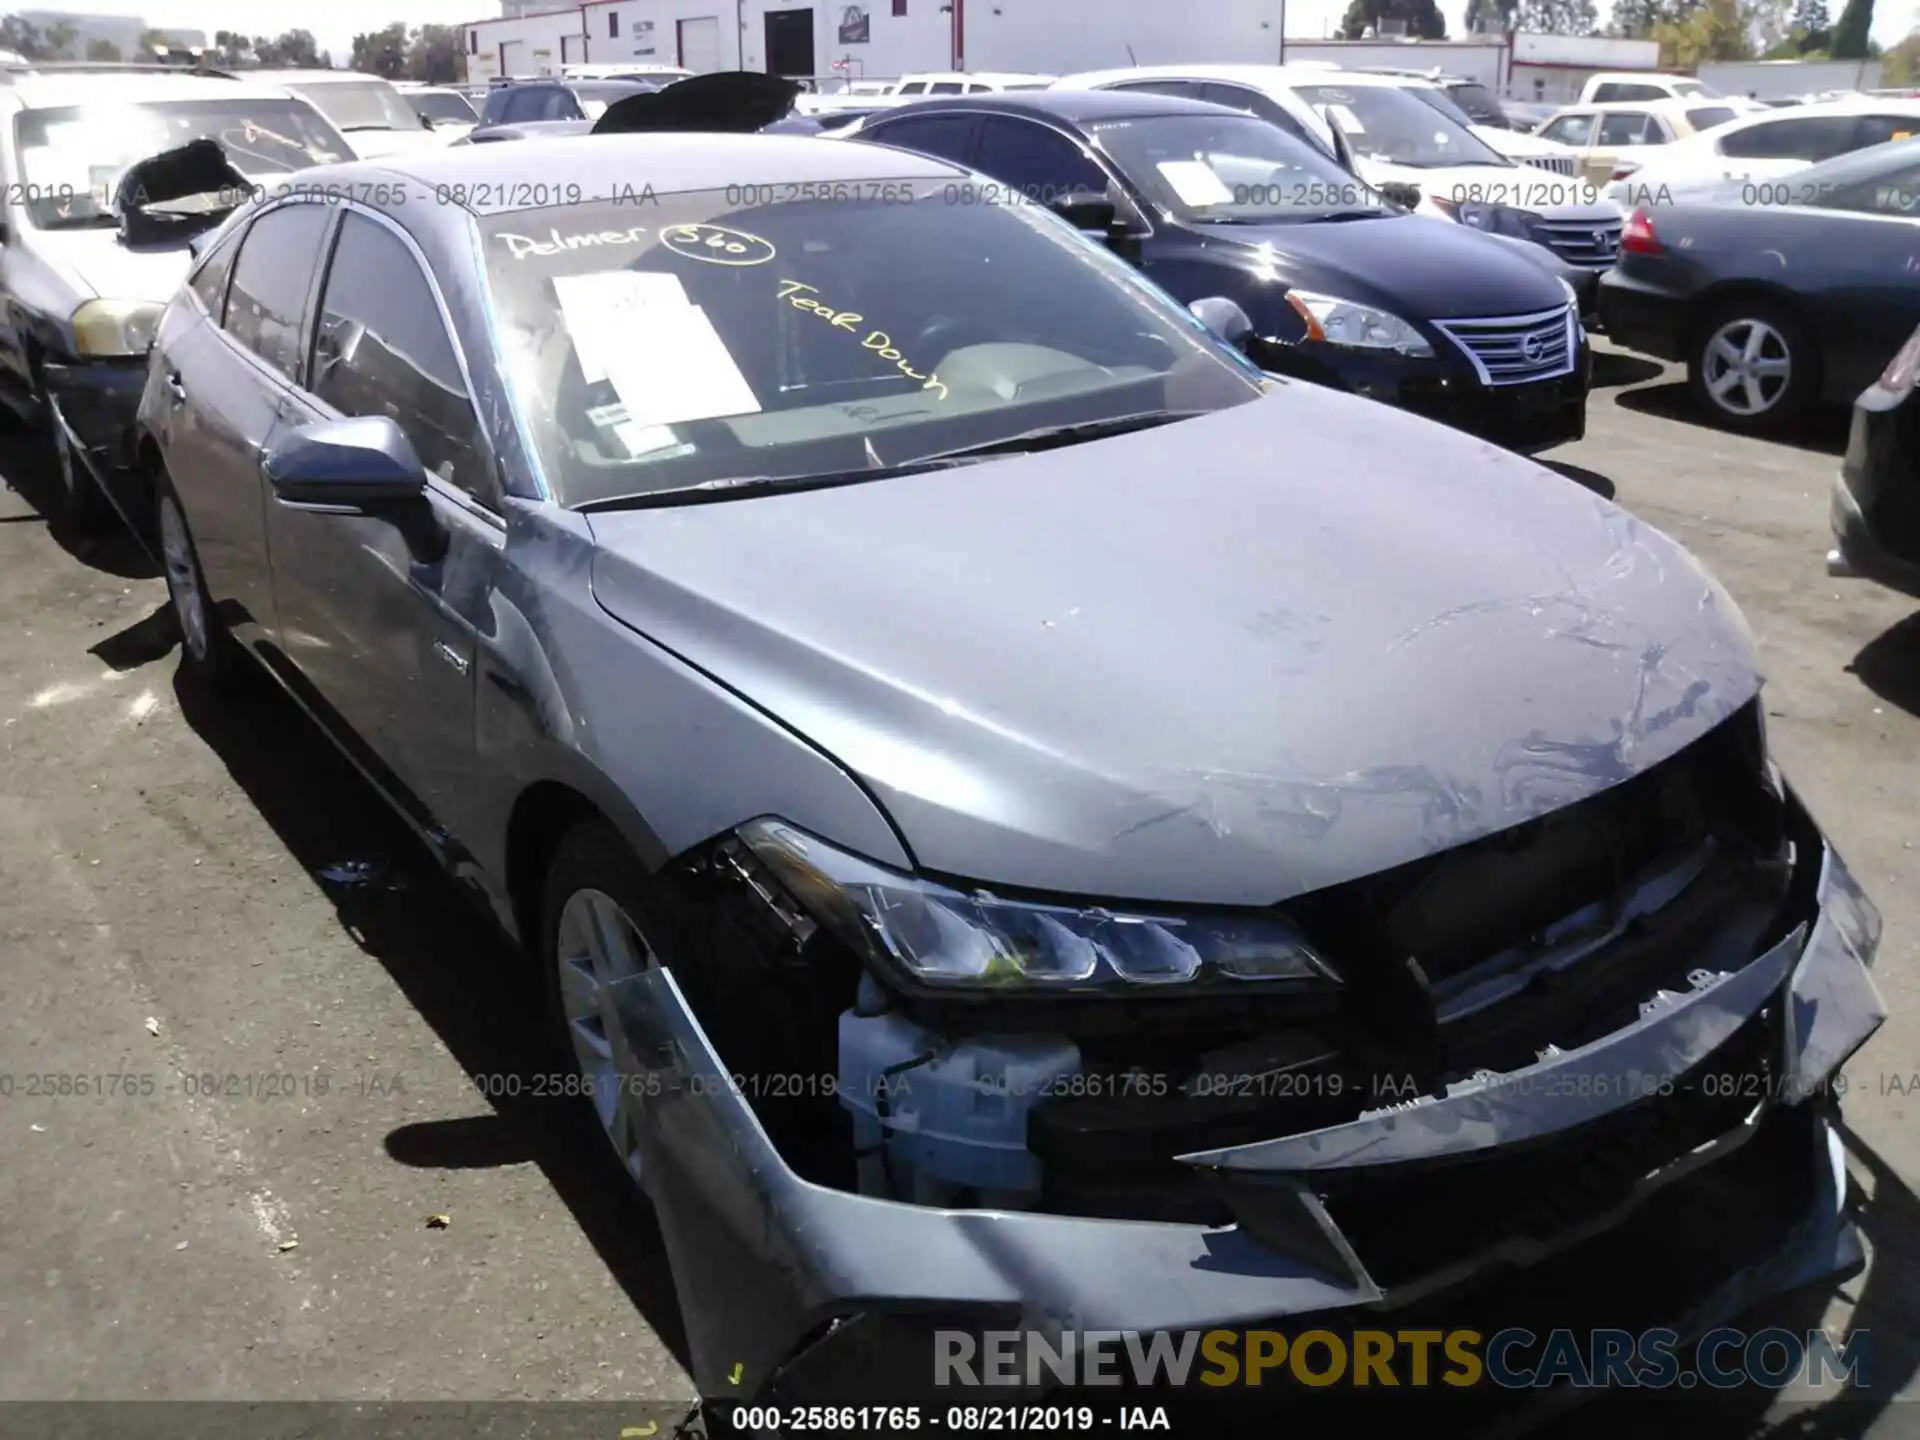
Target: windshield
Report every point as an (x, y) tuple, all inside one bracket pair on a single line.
[(71, 158), (1233, 169), (360, 104), (442, 105), (1435, 98), (1384, 122), (823, 336), (1479, 102)]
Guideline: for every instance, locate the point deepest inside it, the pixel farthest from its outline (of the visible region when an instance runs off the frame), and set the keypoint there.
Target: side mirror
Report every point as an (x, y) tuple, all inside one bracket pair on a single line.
[(1225, 318), (1342, 147), (352, 466), (1406, 196), (1091, 211)]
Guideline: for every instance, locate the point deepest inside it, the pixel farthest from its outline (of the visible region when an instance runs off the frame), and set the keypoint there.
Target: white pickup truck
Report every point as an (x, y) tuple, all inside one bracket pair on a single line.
[(1612, 85)]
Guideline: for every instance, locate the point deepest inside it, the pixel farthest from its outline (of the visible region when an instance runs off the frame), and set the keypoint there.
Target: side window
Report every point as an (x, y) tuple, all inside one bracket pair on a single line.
[(1812, 137), (1183, 89), (945, 137), (209, 282), (271, 278), (1576, 130), (945, 87), (1892, 193), (912, 87), (1658, 132), (383, 349), (1879, 129), (1616, 91), (1040, 163), (560, 105), (499, 106), (1622, 127), (523, 103), (1265, 107)]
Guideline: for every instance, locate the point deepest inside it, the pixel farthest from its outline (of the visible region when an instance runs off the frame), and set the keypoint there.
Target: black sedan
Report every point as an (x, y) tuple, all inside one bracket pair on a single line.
[(1338, 284), (1876, 500), (1777, 294)]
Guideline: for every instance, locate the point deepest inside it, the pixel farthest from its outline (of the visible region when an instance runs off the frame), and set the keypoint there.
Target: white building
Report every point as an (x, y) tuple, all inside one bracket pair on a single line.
[(880, 39)]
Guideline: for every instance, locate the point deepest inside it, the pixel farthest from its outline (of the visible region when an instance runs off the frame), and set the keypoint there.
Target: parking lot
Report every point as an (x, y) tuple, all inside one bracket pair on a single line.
[(197, 899)]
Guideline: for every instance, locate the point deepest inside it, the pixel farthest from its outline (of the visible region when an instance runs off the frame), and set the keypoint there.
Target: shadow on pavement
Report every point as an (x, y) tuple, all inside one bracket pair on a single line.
[(28, 466), (1580, 475), (1823, 431), (1612, 369), (474, 988), (1889, 664)]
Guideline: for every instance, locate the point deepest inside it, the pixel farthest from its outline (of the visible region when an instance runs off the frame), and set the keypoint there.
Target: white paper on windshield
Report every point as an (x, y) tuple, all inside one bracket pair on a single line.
[(683, 371), (608, 311), (655, 442), (1195, 183)]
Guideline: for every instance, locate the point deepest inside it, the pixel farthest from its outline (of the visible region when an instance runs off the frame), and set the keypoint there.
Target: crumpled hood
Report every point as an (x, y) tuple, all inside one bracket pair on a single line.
[(113, 270), (1228, 660)]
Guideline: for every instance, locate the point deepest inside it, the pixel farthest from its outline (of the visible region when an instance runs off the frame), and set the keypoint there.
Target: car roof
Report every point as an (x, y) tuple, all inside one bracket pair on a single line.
[(667, 163), (51, 89), (1078, 107), (1258, 76), (316, 77)]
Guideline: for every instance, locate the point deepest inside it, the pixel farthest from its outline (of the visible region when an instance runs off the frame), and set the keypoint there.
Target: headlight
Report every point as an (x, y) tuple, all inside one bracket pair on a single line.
[(1342, 322), (1494, 219), (115, 329), (937, 936)]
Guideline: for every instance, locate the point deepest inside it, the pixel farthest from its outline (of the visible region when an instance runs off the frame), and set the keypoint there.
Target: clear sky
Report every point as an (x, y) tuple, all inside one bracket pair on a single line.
[(335, 22)]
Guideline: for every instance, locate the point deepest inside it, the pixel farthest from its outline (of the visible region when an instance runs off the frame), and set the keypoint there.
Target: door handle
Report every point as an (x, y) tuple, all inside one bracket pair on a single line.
[(176, 388)]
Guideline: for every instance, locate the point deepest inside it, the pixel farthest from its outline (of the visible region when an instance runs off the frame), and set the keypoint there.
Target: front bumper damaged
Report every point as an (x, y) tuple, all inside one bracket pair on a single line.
[(770, 1262)]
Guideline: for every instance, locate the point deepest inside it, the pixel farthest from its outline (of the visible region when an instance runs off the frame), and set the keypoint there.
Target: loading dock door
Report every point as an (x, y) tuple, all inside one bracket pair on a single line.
[(790, 42), (573, 49), (700, 45), (514, 60)]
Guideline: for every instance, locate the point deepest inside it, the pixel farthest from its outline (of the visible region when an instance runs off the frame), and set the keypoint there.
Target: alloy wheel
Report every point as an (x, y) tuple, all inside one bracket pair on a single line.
[(183, 580), (1747, 366), (597, 947)]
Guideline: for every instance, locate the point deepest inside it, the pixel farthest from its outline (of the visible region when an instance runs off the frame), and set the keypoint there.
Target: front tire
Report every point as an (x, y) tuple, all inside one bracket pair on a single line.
[(597, 929), (207, 652), (1753, 366)]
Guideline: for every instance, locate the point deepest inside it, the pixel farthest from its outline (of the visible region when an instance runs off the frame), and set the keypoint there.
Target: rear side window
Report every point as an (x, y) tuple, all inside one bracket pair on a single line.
[(1810, 137), (1708, 116), (267, 300), (945, 137), (1252, 102), (945, 87), (1617, 90), (1879, 129), (382, 348)]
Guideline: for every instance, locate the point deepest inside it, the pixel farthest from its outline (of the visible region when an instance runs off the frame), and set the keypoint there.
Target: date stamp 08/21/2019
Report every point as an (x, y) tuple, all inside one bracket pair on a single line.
[(259, 1085)]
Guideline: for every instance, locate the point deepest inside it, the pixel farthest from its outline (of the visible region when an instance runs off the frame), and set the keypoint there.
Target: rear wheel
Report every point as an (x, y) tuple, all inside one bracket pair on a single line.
[(207, 652), (1753, 366)]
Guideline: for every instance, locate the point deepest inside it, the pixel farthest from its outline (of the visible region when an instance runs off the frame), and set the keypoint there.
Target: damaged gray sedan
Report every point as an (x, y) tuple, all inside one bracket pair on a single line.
[(1025, 820)]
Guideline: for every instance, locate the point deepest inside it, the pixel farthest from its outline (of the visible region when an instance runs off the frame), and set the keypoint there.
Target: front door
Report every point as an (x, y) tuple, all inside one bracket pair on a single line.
[(790, 42), (379, 623)]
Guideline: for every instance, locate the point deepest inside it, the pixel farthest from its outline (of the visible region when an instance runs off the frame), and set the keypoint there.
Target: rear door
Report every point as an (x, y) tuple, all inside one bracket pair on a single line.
[(227, 380), (1774, 148), (383, 628)]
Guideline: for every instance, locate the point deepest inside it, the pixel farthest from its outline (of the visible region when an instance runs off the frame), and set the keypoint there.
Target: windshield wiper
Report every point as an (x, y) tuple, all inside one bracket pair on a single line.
[(1045, 438)]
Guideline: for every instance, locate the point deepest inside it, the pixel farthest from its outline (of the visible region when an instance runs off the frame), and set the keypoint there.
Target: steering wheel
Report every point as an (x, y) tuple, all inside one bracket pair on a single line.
[(944, 334)]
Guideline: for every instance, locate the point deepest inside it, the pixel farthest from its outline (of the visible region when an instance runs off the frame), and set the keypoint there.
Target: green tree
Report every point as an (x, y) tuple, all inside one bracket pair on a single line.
[(1491, 17), (1636, 19), (231, 49), (1812, 22), (433, 55), (104, 52), (1852, 34), (1422, 18), (23, 38), (382, 52), (1712, 30), (1900, 63), (60, 38), (1559, 17)]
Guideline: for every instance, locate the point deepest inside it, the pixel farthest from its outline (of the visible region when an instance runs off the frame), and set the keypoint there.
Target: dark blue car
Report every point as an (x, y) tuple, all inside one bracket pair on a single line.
[(1341, 285)]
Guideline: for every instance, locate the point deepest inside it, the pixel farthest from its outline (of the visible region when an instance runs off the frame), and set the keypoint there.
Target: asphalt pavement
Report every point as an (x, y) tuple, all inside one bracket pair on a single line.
[(290, 1174)]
